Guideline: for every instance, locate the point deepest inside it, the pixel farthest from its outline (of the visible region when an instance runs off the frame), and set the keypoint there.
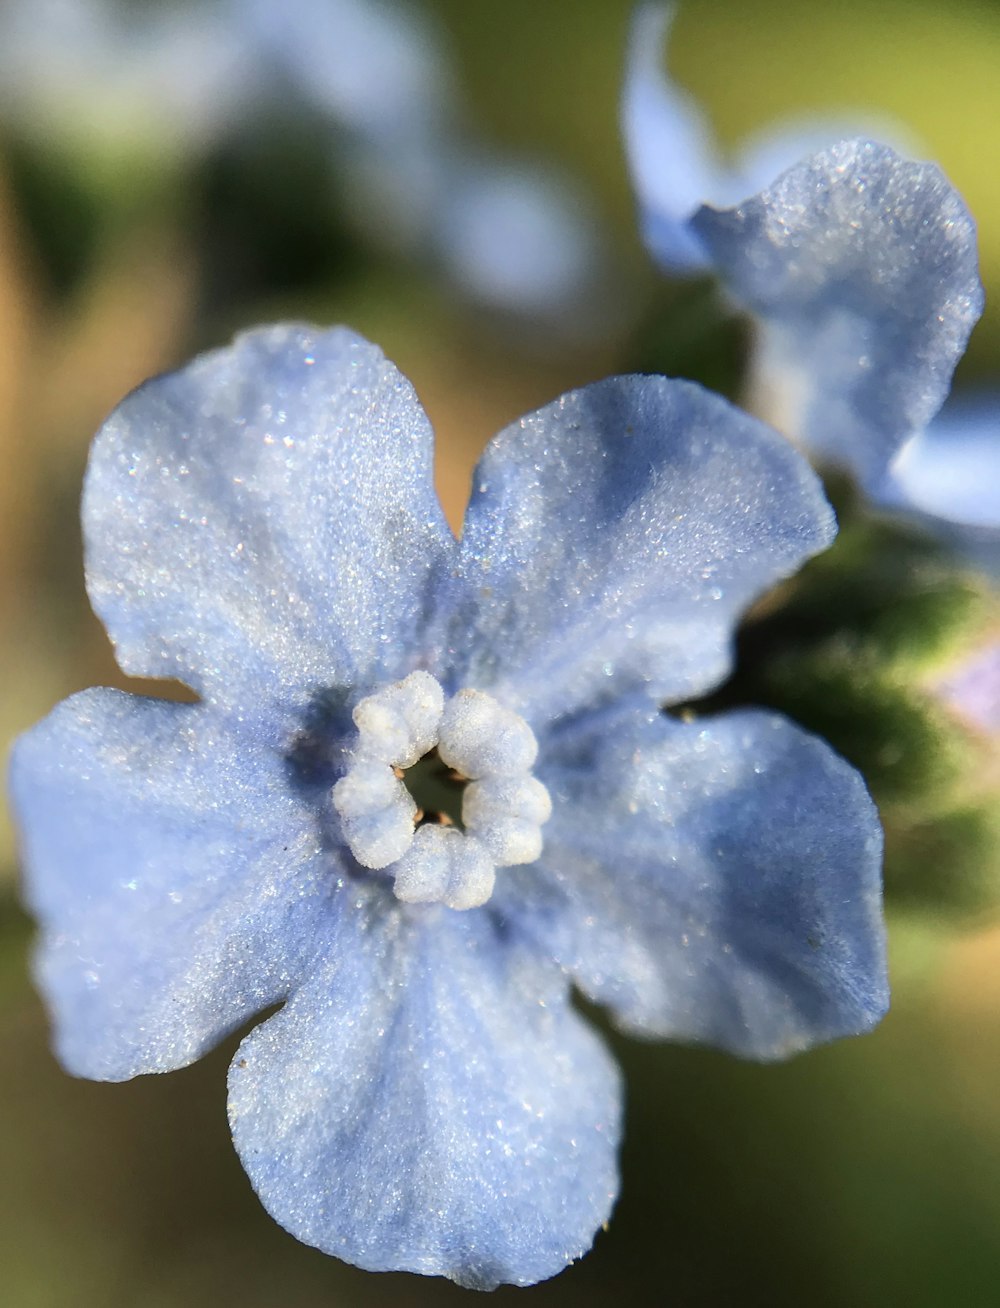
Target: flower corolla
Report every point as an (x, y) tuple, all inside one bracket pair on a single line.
[(859, 267), (428, 788)]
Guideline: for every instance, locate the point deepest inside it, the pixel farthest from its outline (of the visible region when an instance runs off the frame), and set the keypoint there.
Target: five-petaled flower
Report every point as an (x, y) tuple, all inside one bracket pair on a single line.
[(262, 526)]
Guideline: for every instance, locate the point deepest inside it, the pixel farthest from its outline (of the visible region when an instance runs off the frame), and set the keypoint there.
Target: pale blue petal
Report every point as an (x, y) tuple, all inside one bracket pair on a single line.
[(861, 268), (952, 470), (376, 68), (946, 479), (717, 881), (614, 538), (178, 882), (263, 523), (431, 1103), (669, 146), (770, 151), (516, 236)]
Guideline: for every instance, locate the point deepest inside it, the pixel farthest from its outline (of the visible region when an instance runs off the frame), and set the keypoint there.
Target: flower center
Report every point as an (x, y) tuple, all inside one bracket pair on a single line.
[(440, 793), (437, 790)]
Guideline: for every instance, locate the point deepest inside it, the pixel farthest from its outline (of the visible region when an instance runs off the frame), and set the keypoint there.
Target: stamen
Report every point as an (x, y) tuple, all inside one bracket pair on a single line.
[(400, 723), (444, 867), (479, 737), (441, 794), (507, 813)]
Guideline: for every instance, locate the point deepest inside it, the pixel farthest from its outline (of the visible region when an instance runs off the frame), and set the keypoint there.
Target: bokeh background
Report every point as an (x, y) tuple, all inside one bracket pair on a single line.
[(867, 1173)]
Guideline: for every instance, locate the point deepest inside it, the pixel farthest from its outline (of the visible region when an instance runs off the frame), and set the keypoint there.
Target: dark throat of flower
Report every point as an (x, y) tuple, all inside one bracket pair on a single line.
[(437, 790)]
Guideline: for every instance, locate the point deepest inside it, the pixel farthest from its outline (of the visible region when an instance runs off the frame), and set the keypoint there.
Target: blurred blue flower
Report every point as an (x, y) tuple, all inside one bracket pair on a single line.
[(262, 525), (511, 233), (859, 267), (171, 78), (970, 688), (373, 77)]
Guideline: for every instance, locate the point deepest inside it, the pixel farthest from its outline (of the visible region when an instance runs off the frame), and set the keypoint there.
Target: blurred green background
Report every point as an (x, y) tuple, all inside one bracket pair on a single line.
[(867, 1173)]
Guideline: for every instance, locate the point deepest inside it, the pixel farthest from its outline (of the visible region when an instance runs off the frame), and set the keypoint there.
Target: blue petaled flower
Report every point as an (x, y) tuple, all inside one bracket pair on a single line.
[(860, 268), (510, 232), (170, 77), (262, 526)]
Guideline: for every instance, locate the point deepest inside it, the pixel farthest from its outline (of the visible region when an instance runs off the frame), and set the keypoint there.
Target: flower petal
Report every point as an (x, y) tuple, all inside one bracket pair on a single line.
[(430, 1103), (717, 881), (263, 523), (614, 538), (669, 146), (518, 236), (177, 881), (377, 70), (862, 269), (948, 478)]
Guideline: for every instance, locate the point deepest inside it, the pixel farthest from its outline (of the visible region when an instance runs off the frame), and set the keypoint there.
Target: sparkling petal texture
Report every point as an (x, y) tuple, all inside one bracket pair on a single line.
[(178, 882), (430, 1102), (674, 511), (862, 269), (673, 155), (778, 146), (717, 881), (263, 523)]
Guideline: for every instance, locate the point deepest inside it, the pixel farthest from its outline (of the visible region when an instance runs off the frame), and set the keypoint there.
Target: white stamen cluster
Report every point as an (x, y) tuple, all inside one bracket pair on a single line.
[(503, 807)]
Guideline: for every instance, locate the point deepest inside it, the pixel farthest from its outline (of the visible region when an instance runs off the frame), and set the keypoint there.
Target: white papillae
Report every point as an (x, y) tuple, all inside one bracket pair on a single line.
[(503, 807), (399, 724)]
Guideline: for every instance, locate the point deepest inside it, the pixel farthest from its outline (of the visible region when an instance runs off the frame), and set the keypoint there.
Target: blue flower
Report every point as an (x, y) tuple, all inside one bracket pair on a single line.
[(860, 268), (511, 233), (172, 78), (371, 77), (262, 526)]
